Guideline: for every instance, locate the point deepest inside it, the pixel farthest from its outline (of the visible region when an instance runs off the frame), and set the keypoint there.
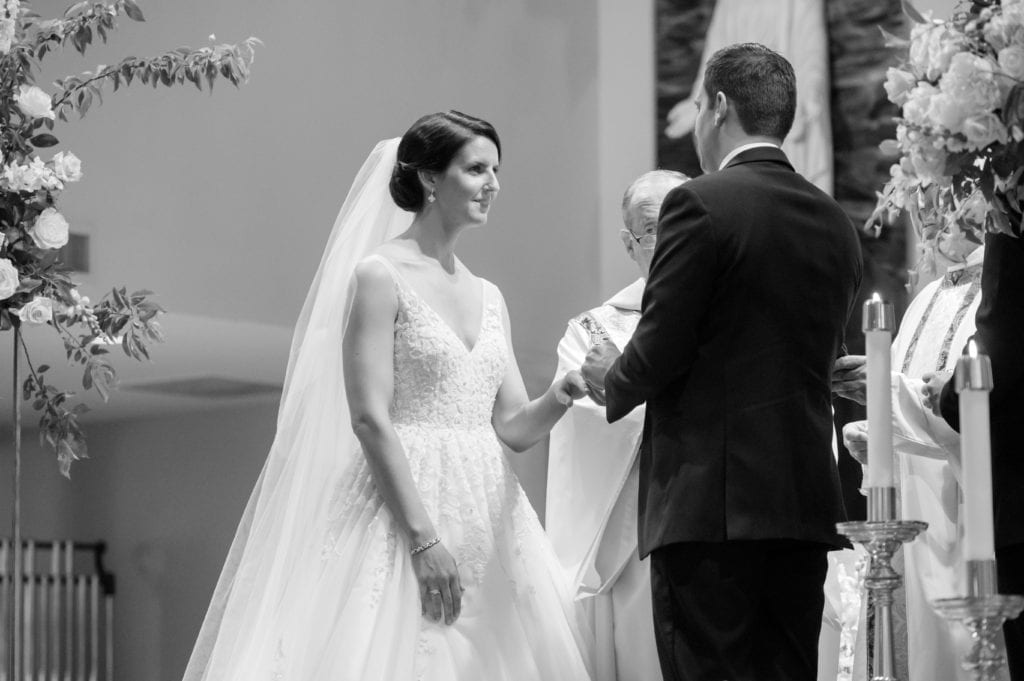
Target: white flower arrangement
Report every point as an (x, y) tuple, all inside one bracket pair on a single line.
[(960, 133), (35, 286)]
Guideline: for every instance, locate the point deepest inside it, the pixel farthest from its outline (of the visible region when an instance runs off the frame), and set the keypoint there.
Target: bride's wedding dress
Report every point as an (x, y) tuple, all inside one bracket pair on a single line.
[(518, 619), (318, 584)]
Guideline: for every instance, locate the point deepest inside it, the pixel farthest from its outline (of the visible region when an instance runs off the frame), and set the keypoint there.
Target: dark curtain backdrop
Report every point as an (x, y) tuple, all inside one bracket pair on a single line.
[(861, 118)]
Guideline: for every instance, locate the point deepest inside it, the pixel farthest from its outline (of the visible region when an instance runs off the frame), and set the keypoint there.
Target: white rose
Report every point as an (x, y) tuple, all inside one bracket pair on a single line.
[(1013, 13), (898, 84), (9, 280), (33, 102), (983, 129), (995, 33), (37, 311), (1011, 60), (50, 229), (67, 166), (1006, 28)]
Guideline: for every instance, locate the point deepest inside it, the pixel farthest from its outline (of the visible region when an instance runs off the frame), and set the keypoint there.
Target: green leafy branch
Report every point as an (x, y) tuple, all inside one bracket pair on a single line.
[(37, 287), (169, 69), (81, 22), (131, 318), (58, 424)]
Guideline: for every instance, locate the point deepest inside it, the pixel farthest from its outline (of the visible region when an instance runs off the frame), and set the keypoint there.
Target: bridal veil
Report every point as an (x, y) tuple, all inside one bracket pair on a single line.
[(277, 547)]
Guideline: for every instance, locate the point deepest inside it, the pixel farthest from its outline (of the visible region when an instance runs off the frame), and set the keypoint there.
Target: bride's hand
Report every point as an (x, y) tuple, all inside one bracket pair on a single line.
[(440, 587), (570, 387)]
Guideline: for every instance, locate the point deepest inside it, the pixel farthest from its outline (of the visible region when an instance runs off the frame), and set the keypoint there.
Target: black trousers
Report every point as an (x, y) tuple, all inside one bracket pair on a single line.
[(738, 611), (1010, 566)]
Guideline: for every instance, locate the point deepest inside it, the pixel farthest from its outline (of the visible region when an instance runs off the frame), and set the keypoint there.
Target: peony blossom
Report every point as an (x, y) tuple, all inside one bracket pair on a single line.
[(50, 229), (67, 166), (9, 279), (972, 84), (898, 84), (39, 310), (932, 46), (916, 109), (947, 111), (33, 102)]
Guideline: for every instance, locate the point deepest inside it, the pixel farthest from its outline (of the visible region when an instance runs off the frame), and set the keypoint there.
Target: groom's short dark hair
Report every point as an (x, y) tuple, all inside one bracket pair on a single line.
[(759, 82)]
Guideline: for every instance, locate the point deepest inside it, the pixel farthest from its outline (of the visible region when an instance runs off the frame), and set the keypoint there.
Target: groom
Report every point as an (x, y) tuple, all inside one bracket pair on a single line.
[(751, 284)]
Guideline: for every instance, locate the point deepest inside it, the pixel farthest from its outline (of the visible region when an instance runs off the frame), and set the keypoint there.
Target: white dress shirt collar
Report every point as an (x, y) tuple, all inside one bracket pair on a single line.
[(744, 147)]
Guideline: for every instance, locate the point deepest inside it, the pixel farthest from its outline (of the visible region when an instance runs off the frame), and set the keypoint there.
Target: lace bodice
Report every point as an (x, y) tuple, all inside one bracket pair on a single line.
[(438, 380)]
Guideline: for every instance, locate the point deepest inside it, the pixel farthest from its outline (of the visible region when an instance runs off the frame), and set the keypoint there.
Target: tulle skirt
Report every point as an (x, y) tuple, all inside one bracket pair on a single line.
[(360, 618)]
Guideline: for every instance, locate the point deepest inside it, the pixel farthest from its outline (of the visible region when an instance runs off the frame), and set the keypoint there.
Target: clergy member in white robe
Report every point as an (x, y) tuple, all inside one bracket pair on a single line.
[(797, 30), (593, 470), (934, 330)]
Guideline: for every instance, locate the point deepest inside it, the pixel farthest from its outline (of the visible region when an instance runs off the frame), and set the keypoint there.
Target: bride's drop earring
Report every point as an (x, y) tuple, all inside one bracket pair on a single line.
[(430, 196)]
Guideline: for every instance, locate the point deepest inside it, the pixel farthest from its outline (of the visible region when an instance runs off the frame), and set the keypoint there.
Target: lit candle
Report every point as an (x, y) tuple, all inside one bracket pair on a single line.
[(879, 321), (973, 383)]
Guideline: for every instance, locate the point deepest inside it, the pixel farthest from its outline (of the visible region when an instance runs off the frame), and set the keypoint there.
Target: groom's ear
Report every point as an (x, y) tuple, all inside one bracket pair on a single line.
[(721, 108)]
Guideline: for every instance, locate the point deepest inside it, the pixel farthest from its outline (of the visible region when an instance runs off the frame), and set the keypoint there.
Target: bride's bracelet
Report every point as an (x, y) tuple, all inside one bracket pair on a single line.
[(423, 547)]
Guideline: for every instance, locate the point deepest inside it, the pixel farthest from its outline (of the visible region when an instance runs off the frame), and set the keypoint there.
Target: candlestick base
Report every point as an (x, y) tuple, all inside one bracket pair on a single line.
[(982, 611), (880, 539), (983, 616)]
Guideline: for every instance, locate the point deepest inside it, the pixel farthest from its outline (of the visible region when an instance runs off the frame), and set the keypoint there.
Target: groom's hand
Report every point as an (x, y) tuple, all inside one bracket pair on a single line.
[(849, 378), (596, 365)]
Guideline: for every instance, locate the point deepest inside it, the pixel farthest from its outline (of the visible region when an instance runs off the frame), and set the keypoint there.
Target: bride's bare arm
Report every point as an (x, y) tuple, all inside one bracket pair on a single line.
[(368, 355), (520, 422)]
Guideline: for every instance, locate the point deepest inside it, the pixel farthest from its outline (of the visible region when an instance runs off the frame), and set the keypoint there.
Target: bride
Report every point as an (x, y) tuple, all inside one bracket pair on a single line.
[(394, 542)]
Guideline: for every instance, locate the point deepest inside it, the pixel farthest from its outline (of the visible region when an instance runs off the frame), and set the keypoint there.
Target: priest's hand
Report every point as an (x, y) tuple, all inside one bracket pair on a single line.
[(931, 391), (855, 438), (595, 367), (849, 378)]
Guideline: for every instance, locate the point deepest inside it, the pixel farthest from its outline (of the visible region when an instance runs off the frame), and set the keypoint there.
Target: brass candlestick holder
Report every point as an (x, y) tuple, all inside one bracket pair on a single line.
[(982, 611), (881, 534)]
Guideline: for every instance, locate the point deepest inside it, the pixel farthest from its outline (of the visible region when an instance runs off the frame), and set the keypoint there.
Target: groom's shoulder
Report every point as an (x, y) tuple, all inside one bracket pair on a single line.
[(707, 190)]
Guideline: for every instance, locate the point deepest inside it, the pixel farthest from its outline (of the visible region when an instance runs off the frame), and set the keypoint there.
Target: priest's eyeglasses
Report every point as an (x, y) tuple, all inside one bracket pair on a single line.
[(644, 240)]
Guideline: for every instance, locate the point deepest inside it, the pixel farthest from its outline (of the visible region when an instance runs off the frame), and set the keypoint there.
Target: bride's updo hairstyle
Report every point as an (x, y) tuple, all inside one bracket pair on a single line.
[(430, 145)]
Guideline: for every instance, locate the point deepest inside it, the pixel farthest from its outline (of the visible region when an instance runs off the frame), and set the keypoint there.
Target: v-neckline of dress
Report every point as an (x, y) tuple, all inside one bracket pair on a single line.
[(469, 349)]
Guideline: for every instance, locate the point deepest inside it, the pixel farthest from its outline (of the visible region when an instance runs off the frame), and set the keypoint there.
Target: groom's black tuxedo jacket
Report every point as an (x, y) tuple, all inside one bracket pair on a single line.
[(752, 281)]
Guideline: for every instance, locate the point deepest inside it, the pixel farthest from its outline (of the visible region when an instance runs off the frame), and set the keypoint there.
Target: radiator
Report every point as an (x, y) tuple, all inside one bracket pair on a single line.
[(60, 617)]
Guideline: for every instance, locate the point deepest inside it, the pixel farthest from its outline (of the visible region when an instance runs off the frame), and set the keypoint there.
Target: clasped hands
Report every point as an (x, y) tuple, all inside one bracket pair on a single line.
[(595, 367), (849, 380)]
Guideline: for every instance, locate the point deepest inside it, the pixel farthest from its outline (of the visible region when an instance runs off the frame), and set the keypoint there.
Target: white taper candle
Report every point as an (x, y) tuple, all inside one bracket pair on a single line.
[(973, 383), (879, 321)]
